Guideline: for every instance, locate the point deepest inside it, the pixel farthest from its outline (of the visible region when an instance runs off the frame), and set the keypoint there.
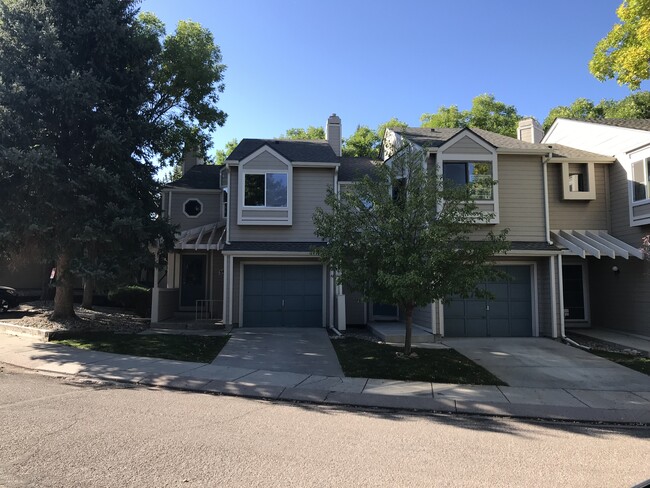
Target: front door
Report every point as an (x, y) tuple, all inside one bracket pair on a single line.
[(192, 279), (574, 292)]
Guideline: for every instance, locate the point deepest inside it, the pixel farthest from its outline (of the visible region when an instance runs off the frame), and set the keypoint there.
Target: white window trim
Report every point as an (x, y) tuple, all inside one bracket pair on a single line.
[(273, 218), (442, 157), (254, 172), (193, 216)]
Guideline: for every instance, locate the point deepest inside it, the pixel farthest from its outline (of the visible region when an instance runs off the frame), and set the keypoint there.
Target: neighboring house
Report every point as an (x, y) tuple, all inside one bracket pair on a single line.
[(615, 292), (249, 262)]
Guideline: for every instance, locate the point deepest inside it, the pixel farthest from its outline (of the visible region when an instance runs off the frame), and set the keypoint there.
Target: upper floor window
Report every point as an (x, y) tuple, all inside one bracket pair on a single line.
[(640, 180), (265, 190), (478, 173), (192, 207), (225, 203), (578, 181)]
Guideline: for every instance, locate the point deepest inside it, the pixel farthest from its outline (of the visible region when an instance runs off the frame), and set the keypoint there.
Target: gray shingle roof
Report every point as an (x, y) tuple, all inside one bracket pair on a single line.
[(433, 138), (272, 246), (354, 169), (640, 124), (313, 151), (199, 177)]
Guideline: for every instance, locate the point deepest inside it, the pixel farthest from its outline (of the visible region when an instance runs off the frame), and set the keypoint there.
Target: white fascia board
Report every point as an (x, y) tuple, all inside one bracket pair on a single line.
[(194, 190), (261, 254), (307, 164), (535, 151), (523, 252), (601, 160)]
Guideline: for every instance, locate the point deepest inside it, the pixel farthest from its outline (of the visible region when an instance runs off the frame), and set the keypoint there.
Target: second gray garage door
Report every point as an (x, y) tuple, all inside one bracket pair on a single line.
[(509, 314), (283, 296)]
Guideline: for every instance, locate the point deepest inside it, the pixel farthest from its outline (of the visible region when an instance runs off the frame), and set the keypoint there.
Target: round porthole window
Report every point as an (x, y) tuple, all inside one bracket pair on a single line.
[(192, 208)]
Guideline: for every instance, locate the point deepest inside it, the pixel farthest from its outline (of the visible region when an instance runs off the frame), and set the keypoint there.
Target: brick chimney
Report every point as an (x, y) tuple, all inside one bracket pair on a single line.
[(529, 130), (333, 133)]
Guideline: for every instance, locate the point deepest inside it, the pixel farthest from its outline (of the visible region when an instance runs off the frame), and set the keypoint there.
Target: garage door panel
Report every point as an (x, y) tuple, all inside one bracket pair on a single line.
[(475, 327), (499, 327), (283, 295), (507, 313)]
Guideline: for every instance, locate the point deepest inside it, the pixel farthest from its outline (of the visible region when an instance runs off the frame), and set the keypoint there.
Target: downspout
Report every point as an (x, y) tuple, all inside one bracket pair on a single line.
[(547, 224)]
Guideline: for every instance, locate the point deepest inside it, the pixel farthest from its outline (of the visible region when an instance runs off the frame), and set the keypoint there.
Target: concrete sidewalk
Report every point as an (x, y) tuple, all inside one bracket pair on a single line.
[(579, 405)]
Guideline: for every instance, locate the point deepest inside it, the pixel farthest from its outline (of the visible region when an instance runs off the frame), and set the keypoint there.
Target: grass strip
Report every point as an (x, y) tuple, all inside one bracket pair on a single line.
[(200, 349), (637, 363), (366, 359)]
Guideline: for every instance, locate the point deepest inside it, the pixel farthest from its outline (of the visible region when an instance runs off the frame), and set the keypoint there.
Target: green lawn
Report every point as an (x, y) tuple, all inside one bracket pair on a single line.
[(638, 363), (365, 359), (199, 349)]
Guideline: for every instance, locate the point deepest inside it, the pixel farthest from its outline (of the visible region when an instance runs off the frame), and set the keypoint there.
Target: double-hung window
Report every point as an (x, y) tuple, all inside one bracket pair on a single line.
[(477, 173), (265, 190)]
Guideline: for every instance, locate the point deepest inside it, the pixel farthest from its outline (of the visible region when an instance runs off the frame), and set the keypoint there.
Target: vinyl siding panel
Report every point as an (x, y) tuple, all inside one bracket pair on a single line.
[(620, 208), (309, 190), (211, 202), (521, 198), (467, 146), (265, 162), (578, 214)]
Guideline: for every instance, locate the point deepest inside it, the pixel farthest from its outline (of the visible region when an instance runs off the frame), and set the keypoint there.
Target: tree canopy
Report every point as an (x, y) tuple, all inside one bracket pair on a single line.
[(486, 113), (624, 53), (411, 246), (91, 98), (634, 106), (310, 132), (222, 154)]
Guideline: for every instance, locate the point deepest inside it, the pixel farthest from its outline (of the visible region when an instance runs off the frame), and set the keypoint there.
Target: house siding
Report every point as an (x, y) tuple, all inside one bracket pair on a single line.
[(620, 208), (211, 202), (265, 162), (578, 214), (521, 199), (467, 146), (309, 191)]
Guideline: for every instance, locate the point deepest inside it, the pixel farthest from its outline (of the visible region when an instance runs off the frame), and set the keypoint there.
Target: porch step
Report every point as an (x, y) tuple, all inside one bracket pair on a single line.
[(394, 332)]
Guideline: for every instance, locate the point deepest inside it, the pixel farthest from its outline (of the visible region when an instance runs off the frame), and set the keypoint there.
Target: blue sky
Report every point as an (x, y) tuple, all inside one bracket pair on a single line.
[(293, 63)]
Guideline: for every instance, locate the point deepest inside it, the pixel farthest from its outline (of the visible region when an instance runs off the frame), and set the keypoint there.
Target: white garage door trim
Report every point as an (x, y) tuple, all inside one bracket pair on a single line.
[(533, 290), (279, 263)]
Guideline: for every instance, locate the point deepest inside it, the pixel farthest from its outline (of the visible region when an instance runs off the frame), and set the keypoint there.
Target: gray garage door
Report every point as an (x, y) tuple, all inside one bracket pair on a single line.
[(508, 314), (283, 296)]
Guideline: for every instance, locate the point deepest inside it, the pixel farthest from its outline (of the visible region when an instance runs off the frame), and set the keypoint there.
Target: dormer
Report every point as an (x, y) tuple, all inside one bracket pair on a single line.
[(265, 186), (467, 158)]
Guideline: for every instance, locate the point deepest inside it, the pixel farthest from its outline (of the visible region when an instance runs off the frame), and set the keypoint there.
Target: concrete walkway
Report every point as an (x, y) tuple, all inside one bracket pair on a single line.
[(299, 350), (624, 405)]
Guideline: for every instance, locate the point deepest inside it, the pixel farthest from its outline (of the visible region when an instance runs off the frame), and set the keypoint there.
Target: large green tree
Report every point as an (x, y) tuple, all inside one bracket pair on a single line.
[(310, 133), (363, 143), (222, 154), (411, 246), (634, 106), (486, 113), (624, 53), (90, 97)]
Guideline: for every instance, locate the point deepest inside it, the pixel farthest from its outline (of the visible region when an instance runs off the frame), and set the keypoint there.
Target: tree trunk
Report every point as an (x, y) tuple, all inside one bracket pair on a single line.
[(409, 330), (89, 290), (63, 298)]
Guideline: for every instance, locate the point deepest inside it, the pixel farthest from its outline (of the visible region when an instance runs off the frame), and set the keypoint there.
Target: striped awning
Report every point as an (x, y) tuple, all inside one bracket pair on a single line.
[(208, 237), (596, 243)]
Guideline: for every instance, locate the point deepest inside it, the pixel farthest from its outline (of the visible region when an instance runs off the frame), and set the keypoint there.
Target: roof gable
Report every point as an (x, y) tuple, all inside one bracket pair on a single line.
[(312, 151)]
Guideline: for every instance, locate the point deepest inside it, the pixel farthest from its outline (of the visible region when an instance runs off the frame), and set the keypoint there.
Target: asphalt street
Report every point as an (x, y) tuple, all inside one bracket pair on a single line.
[(63, 432)]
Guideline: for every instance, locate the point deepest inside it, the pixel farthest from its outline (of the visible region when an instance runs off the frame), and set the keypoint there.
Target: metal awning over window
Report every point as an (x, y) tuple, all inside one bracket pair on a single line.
[(208, 237), (595, 243)]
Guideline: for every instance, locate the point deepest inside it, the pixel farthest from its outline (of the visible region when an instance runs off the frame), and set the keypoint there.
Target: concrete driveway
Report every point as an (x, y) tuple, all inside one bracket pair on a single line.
[(544, 363), (296, 350)]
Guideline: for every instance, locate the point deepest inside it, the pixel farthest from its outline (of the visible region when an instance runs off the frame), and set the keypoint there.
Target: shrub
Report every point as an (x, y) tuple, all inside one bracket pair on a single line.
[(133, 297)]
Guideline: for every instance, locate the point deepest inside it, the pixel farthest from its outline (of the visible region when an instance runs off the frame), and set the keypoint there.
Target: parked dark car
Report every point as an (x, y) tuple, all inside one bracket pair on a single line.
[(8, 298)]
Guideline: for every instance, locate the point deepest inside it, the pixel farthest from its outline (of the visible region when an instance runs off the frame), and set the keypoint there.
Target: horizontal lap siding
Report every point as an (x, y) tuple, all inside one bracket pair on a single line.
[(521, 198), (309, 191), (211, 202), (265, 162), (577, 214), (467, 146), (620, 207)]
